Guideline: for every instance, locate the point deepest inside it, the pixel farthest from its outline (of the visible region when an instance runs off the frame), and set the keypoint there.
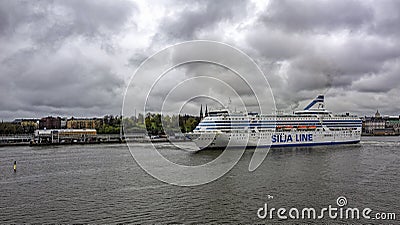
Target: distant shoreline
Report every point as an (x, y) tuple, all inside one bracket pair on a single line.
[(114, 141), (55, 144)]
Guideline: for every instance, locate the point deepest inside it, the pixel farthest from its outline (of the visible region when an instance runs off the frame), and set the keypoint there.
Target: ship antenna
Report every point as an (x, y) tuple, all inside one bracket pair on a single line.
[(229, 103)]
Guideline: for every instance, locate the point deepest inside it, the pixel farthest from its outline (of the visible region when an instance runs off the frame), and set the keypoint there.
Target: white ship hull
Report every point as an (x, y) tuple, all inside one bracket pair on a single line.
[(274, 139)]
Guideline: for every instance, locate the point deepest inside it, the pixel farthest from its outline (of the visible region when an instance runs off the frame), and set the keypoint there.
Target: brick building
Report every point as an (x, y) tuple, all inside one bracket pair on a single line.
[(50, 123)]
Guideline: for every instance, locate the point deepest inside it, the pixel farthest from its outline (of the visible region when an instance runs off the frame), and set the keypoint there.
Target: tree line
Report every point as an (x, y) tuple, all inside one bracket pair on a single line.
[(158, 124), (154, 123)]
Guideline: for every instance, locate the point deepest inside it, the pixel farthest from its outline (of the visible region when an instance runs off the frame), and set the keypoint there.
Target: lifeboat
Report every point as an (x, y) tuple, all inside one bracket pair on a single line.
[(302, 127), (312, 127), (288, 127)]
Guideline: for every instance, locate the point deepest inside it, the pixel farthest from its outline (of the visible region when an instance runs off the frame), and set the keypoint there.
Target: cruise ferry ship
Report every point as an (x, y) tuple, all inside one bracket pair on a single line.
[(312, 126)]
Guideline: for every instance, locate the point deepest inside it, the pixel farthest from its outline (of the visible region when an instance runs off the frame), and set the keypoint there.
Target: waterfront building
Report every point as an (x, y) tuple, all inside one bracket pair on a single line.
[(84, 123), (50, 123), (64, 123), (381, 125), (392, 123), (65, 135), (28, 122), (28, 125)]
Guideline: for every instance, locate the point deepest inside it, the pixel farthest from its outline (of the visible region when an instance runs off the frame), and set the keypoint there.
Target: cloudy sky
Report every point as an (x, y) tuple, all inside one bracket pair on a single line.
[(76, 57)]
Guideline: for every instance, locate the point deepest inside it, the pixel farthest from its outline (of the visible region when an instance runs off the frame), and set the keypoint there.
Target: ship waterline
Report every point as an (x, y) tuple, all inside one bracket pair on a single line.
[(312, 126)]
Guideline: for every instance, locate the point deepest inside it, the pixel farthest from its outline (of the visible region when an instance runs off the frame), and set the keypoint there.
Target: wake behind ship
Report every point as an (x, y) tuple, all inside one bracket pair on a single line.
[(312, 126)]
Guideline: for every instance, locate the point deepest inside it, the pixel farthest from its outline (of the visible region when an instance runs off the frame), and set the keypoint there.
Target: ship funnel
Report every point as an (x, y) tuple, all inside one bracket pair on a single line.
[(319, 98)]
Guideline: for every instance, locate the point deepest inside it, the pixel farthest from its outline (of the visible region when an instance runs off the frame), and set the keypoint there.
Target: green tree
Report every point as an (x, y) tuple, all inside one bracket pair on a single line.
[(190, 124)]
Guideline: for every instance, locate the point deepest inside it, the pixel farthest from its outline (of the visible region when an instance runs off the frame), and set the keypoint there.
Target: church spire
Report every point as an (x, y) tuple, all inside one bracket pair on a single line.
[(201, 111), (206, 114)]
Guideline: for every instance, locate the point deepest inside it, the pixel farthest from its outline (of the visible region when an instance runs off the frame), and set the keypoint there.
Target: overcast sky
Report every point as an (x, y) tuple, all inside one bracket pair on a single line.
[(75, 57)]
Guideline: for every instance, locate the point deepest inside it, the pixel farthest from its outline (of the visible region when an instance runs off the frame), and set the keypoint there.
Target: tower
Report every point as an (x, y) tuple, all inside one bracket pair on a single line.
[(201, 112), (206, 114)]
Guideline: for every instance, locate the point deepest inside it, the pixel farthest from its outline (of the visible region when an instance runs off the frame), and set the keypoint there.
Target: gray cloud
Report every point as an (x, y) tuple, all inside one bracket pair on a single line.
[(51, 21), (75, 57), (332, 47), (385, 81), (53, 55), (386, 19), (317, 16), (192, 17)]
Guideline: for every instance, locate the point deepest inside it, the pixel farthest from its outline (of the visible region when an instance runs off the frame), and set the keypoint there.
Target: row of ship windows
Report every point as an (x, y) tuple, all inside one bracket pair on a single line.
[(268, 127), (277, 125), (346, 132), (280, 133), (279, 119), (273, 131), (273, 124), (279, 122)]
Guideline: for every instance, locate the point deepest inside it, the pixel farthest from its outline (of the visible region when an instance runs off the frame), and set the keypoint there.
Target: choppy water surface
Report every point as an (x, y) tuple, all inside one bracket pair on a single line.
[(103, 184)]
